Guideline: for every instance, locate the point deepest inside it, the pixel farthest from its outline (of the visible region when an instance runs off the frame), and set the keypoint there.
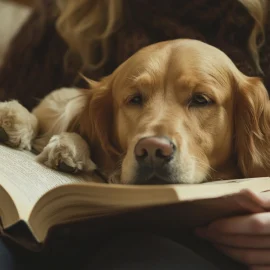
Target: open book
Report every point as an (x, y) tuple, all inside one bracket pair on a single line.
[(42, 198)]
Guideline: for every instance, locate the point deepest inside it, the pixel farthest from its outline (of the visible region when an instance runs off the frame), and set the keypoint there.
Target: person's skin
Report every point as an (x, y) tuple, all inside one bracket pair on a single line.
[(244, 238)]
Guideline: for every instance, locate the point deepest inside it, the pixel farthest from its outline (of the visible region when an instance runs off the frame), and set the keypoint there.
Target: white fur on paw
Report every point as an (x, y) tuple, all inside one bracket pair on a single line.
[(68, 148), (19, 124)]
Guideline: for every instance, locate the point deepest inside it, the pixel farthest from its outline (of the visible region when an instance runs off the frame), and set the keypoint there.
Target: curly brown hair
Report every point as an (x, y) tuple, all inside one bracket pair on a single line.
[(86, 26)]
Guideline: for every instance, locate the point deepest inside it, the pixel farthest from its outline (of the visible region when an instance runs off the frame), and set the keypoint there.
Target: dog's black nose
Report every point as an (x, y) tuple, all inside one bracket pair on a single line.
[(154, 150)]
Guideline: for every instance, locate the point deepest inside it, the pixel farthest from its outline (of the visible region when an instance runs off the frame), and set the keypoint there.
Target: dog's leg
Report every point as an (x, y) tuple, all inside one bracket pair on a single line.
[(56, 112), (45, 130), (67, 152), (58, 146), (18, 127)]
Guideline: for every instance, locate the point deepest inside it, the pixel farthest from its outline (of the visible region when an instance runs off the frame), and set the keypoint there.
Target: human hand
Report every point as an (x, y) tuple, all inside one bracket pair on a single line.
[(243, 238)]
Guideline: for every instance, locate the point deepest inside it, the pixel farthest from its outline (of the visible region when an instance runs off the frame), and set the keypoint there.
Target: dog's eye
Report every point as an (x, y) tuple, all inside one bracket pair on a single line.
[(200, 100), (135, 100)]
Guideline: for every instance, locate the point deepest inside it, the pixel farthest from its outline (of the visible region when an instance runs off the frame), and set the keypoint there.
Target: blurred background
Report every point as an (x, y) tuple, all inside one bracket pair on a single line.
[(12, 14)]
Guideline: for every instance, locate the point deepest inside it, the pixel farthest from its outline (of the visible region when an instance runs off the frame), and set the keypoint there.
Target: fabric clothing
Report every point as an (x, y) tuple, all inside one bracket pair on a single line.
[(122, 251)]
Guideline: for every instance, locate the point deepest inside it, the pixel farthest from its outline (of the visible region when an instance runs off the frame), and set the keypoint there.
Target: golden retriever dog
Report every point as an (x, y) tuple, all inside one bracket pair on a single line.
[(175, 112)]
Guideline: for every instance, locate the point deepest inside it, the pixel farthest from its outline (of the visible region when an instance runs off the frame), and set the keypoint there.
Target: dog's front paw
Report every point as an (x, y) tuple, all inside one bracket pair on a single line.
[(67, 152), (18, 126)]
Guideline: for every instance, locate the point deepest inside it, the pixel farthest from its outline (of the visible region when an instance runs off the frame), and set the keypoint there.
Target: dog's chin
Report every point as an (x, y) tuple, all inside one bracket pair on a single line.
[(151, 178), (155, 180), (115, 178)]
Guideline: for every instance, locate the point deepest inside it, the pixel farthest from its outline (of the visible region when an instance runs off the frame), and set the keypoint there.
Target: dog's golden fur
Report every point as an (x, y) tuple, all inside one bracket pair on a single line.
[(185, 90)]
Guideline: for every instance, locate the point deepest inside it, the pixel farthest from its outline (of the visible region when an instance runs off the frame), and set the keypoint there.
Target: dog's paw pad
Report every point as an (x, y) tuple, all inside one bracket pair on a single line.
[(63, 167), (3, 135)]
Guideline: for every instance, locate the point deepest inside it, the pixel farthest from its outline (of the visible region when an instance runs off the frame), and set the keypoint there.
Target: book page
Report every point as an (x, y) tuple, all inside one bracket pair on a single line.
[(26, 180), (218, 189)]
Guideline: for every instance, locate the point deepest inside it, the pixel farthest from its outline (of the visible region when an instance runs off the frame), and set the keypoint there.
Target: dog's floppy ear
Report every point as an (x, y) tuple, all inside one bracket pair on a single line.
[(252, 127), (97, 120)]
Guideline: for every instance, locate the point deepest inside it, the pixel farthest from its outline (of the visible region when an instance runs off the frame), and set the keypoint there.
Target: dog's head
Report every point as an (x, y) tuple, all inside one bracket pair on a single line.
[(179, 112)]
